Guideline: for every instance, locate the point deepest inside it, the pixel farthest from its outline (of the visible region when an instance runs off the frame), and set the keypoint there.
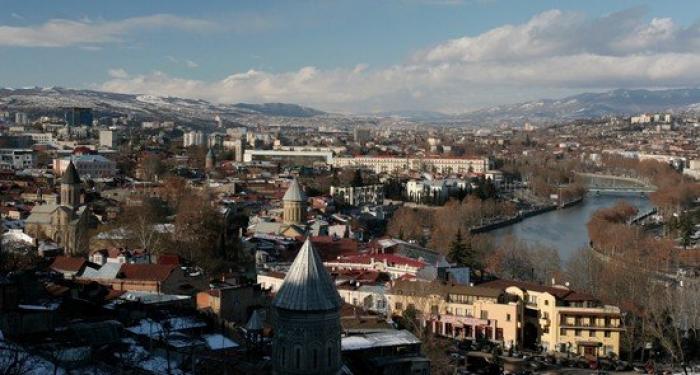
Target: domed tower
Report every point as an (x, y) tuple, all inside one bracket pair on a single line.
[(70, 187), (294, 204), (307, 319), (209, 160)]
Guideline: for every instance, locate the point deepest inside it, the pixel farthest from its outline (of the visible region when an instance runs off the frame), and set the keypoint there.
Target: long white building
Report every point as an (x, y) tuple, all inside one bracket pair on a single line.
[(438, 164)]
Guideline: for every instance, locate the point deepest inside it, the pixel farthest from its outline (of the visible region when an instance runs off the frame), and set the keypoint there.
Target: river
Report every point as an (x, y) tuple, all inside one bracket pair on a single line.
[(565, 229)]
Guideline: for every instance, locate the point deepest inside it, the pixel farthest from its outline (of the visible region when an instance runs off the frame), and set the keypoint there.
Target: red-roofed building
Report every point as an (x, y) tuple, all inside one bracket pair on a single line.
[(330, 248), (157, 278), (70, 267), (395, 265)]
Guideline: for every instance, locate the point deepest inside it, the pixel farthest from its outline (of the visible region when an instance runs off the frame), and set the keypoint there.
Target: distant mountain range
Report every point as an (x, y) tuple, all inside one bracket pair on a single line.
[(196, 111), (587, 105), (146, 107)]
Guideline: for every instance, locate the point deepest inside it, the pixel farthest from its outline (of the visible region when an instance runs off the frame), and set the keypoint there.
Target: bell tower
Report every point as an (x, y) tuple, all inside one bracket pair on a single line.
[(70, 187)]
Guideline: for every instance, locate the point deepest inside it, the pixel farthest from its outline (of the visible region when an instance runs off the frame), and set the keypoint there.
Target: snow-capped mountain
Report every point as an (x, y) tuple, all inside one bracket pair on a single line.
[(54, 100), (589, 105)]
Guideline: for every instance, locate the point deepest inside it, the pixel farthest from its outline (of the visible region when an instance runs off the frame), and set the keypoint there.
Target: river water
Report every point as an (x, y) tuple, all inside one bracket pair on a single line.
[(565, 229)]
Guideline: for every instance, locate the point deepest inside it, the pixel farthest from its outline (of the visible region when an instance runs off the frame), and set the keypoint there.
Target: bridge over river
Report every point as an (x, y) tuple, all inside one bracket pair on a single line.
[(605, 183)]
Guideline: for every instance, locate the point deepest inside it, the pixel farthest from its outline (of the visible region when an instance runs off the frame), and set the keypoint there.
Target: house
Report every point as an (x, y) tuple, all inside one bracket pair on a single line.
[(69, 267), (157, 278), (231, 303)]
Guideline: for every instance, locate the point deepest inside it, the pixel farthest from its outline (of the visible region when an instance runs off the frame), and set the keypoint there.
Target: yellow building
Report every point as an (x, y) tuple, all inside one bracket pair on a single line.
[(459, 311), (556, 318)]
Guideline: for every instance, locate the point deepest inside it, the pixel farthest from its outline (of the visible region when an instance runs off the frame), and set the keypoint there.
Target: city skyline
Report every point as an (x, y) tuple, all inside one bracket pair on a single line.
[(446, 55)]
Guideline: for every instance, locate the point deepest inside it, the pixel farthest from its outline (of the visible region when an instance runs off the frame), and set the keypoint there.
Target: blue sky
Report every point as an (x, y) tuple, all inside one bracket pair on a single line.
[(352, 56)]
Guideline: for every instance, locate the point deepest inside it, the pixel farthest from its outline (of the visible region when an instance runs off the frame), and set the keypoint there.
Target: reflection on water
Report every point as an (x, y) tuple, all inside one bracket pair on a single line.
[(565, 229)]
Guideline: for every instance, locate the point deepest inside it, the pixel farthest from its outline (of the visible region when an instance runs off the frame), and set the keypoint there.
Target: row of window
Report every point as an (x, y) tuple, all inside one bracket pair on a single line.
[(579, 332)]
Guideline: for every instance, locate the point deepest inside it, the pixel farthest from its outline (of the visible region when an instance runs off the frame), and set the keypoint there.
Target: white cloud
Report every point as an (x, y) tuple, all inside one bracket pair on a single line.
[(191, 64), (119, 73), (63, 32), (553, 52)]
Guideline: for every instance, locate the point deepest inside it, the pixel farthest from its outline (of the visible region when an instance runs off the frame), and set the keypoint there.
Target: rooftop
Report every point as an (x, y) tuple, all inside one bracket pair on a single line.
[(307, 285)]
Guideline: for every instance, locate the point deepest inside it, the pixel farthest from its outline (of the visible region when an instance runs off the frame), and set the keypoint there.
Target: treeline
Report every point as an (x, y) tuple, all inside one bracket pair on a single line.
[(631, 274), (437, 227), (610, 234), (674, 191)]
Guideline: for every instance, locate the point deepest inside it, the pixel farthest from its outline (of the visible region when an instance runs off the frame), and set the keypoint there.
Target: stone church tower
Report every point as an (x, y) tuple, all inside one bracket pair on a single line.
[(70, 187), (294, 204), (306, 313)]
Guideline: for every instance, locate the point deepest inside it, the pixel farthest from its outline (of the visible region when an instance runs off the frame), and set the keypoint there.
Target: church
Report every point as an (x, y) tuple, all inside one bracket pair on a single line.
[(306, 316), (65, 223)]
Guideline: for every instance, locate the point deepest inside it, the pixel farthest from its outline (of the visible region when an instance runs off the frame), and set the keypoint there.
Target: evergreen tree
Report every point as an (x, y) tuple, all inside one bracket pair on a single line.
[(458, 250), (357, 180)]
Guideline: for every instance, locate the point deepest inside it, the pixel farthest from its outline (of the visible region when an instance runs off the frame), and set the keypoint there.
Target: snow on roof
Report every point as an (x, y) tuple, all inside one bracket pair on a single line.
[(379, 339), (151, 328), (219, 342)]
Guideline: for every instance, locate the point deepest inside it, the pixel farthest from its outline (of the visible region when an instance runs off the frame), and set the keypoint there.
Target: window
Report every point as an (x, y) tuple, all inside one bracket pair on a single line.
[(499, 334), (545, 315), (591, 333), (399, 306), (484, 314), (607, 333), (297, 360), (315, 359), (562, 331), (546, 302), (434, 310), (577, 332), (507, 317)]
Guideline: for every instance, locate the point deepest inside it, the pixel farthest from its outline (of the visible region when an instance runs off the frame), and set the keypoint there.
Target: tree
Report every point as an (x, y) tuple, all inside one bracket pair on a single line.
[(357, 180), (458, 250)]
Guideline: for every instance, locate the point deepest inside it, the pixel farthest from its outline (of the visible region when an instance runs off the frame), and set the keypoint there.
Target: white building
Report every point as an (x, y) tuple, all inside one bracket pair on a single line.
[(17, 159), (106, 138), (359, 195), (193, 138), (383, 164), (89, 166), (41, 138)]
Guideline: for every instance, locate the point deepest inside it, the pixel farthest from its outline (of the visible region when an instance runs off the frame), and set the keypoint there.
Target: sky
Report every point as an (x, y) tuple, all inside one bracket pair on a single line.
[(355, 56)]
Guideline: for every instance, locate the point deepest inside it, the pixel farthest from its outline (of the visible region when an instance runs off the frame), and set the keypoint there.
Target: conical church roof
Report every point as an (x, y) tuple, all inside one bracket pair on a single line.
[(307, 286), (255, 322), (294, 193), (70, 176)]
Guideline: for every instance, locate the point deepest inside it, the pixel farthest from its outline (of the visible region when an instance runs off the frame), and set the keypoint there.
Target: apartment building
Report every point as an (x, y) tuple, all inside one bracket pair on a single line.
[(359, 195), (17, 159), (557, 318), (390, 164), (460, 311)]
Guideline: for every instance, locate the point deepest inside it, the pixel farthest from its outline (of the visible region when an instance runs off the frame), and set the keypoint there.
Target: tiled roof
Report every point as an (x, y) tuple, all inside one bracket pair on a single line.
[(68, 264), (307, 286), (146, 272)]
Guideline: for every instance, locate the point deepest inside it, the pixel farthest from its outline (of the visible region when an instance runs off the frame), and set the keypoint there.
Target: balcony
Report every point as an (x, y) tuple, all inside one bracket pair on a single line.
[(611, 327)]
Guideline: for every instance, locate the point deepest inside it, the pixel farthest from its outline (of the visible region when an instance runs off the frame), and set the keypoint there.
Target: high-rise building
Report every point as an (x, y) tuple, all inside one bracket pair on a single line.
[(78, 116), (306, 316), (106, 138), (193, 138), (361, 136), (21, 118)]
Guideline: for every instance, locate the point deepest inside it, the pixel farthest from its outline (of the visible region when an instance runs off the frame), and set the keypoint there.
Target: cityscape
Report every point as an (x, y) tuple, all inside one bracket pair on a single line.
[(369, 187)]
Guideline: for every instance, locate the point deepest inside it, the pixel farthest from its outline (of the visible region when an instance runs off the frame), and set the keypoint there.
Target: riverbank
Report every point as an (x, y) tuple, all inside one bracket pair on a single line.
[(522, 216), (565, 229)]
